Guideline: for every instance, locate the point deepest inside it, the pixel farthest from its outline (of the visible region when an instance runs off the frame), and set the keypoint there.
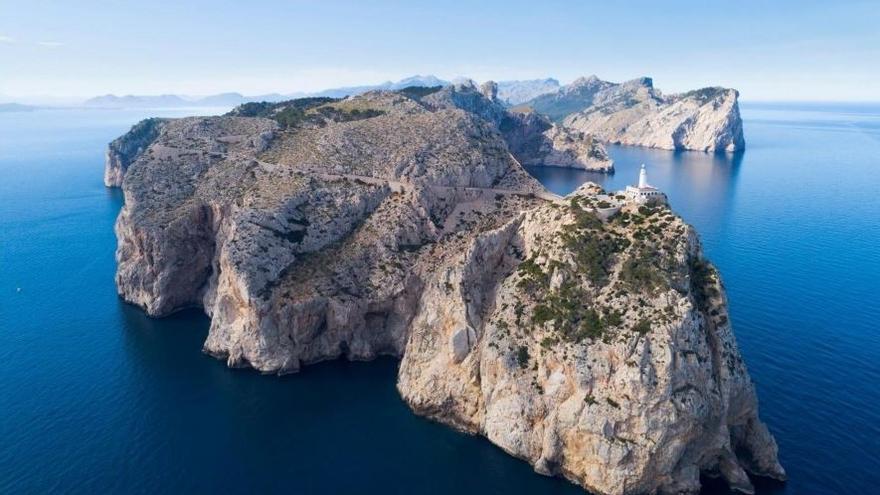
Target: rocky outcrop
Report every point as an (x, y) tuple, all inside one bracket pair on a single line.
[(569, 99), (532, 138), (601, 352), (635, 113), (595, 349), (564, 147), (703, 120), (124, 150)]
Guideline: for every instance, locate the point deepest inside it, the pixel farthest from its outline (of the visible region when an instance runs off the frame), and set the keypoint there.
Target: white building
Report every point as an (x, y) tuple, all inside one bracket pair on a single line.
[(645, 193)]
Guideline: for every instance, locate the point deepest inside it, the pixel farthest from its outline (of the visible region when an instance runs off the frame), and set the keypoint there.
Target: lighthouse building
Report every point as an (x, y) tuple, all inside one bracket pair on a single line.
[(645, 193)]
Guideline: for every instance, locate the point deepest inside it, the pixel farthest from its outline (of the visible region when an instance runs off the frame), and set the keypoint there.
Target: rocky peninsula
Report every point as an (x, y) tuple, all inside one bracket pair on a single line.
[(595, 347)]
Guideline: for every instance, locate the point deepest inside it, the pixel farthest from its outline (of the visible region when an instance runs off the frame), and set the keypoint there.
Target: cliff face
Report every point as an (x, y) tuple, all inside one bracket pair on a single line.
[(634, 113), (598, 351), (301, 253), (532, 138), (389, 224), (124, 150), (570, 98)]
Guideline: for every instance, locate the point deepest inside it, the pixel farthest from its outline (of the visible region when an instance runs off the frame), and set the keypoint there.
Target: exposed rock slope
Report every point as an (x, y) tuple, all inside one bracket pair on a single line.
[(532, 138), (599, 351), (126, 149), (570, 98), (391, 223), (635, 113)]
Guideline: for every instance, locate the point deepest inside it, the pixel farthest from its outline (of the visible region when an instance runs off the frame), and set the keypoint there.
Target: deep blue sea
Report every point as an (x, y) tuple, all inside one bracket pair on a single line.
[(97, 398)]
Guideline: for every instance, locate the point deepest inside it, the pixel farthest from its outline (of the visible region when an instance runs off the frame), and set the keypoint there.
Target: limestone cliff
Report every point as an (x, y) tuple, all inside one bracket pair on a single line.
[(124, 150), (635, 113), (532, 138), (599, 351), (570, 98), (390, 223)]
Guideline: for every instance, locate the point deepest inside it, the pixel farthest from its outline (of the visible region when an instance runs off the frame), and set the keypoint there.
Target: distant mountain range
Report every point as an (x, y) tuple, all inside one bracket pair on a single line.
[(15, 107), (516, 92), (168, 101), (510, 92), (233, 99), (424, 81), (547, 96)]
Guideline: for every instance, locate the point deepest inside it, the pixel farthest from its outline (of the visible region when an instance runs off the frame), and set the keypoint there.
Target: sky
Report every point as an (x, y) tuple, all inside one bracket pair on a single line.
[(769, 50)]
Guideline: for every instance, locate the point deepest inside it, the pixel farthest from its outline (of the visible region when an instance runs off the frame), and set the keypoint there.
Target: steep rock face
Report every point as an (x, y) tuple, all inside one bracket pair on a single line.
[(564, 147), (570, 98), (124, 150), (702, 120), (532, 138), (213, 219), (556, 338), (635, 113), (384, 224), (165, 230), (536, 141)]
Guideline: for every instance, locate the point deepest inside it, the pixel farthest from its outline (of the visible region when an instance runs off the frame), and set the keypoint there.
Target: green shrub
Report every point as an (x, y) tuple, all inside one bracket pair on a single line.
[(290, 113), (702, 276), (592, 253), (417, 92), (533, 275), (643, 327), (612, 318), (522, 356), (639, 272), (541, 314), (590, 326)]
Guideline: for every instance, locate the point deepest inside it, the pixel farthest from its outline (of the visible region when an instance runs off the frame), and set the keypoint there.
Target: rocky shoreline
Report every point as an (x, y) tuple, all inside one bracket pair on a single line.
[(402, 223)]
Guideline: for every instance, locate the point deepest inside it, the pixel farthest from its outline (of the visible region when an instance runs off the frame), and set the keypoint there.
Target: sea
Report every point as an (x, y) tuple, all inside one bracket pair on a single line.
[(95, 397)]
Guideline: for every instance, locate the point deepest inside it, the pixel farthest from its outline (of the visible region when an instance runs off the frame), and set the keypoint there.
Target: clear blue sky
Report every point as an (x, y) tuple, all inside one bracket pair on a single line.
[(769, 50)]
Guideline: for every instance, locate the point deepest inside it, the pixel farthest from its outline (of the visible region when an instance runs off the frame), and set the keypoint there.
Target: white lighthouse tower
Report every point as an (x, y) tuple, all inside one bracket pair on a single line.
[(645, 193)]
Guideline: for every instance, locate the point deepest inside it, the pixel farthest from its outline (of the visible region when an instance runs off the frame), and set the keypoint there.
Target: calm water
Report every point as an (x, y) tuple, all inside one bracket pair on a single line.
[(95, 397)]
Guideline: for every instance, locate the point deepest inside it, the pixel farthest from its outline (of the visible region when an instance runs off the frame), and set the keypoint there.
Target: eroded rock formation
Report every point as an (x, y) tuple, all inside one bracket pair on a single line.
[(532, 138), (124, 150), (600, 351), (635, 113), (396, 223)]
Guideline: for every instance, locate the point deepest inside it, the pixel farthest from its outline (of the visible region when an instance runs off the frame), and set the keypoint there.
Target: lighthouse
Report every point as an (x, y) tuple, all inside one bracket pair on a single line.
[(645, 193), (643, 177)]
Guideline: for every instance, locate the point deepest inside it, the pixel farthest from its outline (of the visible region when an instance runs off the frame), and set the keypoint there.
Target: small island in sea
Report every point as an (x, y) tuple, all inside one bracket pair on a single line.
[(586, 334)]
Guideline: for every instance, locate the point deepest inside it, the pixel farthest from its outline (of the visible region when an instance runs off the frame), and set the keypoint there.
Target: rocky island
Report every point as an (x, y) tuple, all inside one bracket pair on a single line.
[(586, 335)]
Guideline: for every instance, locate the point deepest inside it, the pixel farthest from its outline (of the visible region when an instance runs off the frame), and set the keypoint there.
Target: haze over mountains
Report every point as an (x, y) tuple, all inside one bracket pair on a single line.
[(547, 92), (233, 99), (15, 107), (511, 92), (632, 112)]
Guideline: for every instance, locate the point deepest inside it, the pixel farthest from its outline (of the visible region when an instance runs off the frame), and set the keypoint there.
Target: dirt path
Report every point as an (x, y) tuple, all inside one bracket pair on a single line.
[(401, 186)]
